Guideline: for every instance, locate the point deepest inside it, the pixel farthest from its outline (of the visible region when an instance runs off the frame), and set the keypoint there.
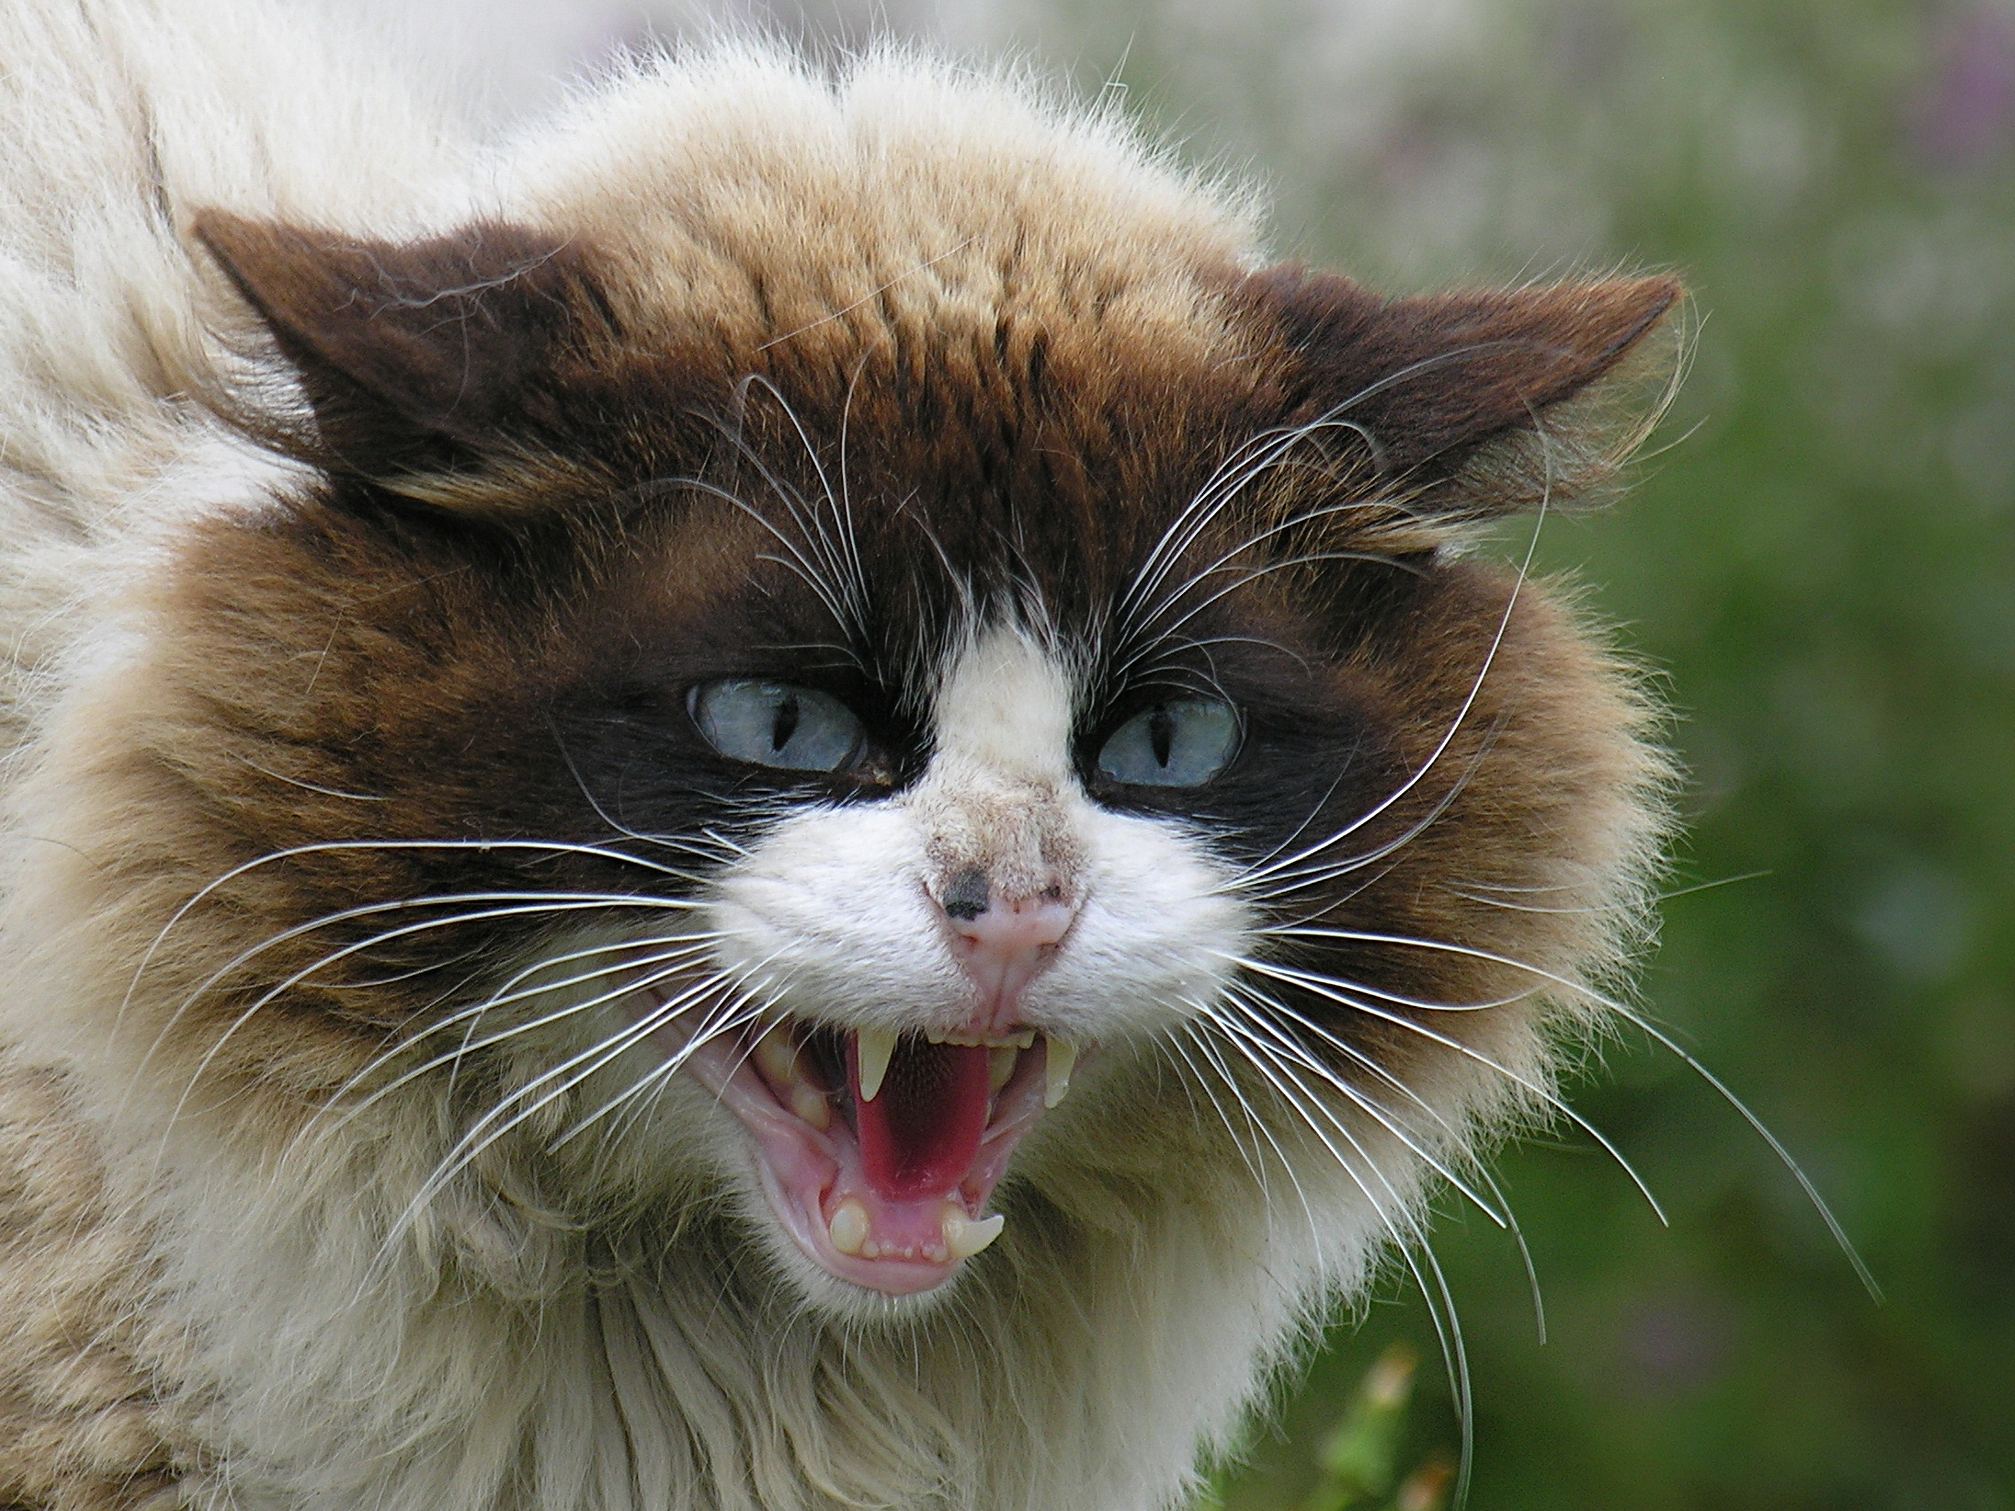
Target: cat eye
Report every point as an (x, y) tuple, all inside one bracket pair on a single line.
[(776, 724), (1181, 743)]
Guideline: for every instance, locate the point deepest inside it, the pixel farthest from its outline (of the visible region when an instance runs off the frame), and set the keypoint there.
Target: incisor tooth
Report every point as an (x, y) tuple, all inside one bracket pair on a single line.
[(876, 1046), (1059, 1056), (965, 1237), (848, 1228)]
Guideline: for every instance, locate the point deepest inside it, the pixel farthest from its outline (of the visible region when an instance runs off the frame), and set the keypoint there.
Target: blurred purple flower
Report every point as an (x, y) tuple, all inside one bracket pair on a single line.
[(1965, 112), (1673, 1344)]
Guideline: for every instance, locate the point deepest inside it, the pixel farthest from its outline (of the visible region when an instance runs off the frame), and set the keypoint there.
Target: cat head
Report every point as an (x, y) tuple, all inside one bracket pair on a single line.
[(857, 670)]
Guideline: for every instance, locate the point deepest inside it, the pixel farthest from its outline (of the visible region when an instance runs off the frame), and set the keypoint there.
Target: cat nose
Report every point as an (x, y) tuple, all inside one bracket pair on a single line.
[(1002, 943)]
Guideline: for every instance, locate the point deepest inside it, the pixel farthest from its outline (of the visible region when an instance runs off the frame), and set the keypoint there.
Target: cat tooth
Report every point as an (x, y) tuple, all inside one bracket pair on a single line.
[(848, 1226), (965, 1237), (1058, 1061), (1000, 1066), (877, 1046), (777, 1057), (1021, 1039), (811, 1106)]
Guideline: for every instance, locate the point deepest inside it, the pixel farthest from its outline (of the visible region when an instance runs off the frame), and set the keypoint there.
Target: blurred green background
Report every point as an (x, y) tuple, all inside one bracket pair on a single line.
[(1822, 569)]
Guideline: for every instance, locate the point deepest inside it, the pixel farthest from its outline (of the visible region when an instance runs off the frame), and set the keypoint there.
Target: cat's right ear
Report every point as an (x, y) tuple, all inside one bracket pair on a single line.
[(419, 360), (1466, 405)]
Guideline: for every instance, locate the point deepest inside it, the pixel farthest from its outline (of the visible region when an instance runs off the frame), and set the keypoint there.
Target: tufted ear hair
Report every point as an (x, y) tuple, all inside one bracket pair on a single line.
[(417, 358), (1465, 404)]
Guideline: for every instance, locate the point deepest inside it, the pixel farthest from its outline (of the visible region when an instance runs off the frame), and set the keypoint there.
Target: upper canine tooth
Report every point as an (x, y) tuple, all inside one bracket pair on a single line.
[(965, 1237), (1059, 1057), (876, 1045)]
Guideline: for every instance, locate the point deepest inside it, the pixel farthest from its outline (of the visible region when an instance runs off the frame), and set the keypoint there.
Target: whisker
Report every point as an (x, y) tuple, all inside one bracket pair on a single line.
[(475, 1012), (1342, 998), (551, 847), (1454, 1354), (1193, 1031), (1302, 877), (1281, 1044), (1262, 1002), (1783, 1154), (528, 903), (1455, 725), (736, 1015), (473, 1143)]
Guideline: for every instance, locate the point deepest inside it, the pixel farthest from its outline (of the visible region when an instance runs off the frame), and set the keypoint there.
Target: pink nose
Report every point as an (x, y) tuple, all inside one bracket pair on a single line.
[(1003, 945)]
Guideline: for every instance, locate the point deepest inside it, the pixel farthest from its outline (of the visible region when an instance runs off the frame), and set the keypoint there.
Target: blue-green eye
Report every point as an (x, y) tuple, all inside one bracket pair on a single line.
[(1181, 743), (775, 724)]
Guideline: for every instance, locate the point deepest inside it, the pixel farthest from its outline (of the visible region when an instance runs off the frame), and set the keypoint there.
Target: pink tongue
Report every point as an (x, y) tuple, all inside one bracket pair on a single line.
[(920, 1134)]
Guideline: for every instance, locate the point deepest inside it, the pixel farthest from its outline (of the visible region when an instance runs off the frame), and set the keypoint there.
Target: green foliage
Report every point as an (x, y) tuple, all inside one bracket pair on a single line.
[(1357, 1456)]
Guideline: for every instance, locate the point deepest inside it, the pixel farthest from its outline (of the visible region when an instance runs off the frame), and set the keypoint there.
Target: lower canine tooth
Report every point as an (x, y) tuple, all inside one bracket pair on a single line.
[(876, 1045), (964, 1237), (1059, 1056), (848, 1227)]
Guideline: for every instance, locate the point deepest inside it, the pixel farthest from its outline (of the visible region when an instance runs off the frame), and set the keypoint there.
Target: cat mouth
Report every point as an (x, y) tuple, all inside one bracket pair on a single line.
[(878, 1151)]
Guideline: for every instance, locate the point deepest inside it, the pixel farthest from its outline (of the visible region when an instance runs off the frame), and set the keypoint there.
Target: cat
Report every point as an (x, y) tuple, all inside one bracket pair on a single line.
[(793, 792)]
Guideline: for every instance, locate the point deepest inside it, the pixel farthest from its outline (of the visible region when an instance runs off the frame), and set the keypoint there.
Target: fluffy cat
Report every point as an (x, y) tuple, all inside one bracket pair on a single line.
[(790, 794)]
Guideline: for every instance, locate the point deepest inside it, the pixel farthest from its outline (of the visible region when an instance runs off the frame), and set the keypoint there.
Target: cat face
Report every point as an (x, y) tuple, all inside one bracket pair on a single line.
[(711, 737)]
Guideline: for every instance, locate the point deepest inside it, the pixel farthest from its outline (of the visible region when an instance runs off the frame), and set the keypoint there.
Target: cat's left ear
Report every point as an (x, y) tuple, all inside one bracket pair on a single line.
[(1466, 405), (417, 358)]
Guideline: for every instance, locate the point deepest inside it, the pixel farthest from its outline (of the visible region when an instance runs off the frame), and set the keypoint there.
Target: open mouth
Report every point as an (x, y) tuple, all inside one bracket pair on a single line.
[(878, 1150)]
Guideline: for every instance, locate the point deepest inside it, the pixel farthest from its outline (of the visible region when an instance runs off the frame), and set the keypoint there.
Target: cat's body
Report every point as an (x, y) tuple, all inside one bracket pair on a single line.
[(398, 542)]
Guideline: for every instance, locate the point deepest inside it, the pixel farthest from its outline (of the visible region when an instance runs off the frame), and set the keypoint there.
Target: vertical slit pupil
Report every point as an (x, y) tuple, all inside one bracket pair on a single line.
[(1161, 733), (786, 722)]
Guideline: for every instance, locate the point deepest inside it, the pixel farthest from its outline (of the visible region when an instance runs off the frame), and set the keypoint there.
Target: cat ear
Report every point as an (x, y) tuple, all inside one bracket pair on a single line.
[(1467, 404), (416, 357)]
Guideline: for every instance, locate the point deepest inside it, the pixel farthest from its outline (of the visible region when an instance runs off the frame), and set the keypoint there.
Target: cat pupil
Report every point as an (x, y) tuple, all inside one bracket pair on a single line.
[(786, 722), (1161, 733)]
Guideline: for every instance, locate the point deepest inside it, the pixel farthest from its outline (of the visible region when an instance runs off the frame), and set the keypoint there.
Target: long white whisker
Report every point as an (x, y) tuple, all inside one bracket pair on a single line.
[(525, 903), (845, 563), (1259, 1002), (552, 847), (1454, 1354), (1193, 1031), (1632, 1016), (1282, 1044), (1343, 998), (648, 967), (1455, 725), (1302, 877), (473, 1142), (737, 1013)]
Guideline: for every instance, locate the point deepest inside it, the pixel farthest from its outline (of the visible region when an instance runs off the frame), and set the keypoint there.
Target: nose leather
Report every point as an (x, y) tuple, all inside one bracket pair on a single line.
[(1003, 947)]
